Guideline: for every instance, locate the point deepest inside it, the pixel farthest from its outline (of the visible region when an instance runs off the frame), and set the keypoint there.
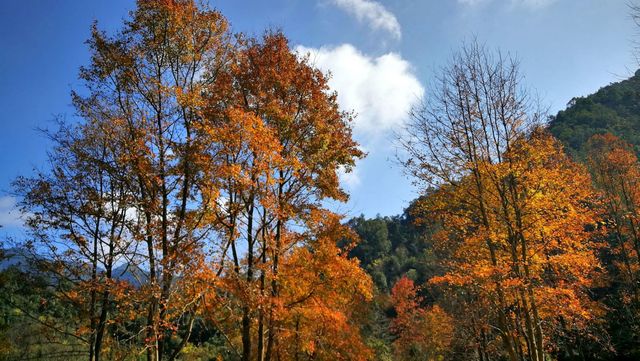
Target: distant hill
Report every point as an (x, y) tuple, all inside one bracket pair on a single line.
[(392, 247), (14, 257), (614, 109), (22, 260)]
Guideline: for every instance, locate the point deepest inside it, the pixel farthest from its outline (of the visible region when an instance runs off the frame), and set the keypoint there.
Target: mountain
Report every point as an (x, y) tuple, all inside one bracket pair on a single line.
[(614, 109), (23, 261), (130, 273), (14, 257)]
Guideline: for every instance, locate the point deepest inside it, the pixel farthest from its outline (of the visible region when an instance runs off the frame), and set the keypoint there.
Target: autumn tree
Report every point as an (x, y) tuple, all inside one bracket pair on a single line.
[(150, 77), (421, 333), (515, 209), (276, 142), (322, 292), (202, 160), (78, 221), (616, 173), (140, 103)]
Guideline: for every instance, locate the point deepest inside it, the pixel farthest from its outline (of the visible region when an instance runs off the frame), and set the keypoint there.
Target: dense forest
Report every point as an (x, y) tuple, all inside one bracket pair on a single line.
[(613, 109), (184, 216)]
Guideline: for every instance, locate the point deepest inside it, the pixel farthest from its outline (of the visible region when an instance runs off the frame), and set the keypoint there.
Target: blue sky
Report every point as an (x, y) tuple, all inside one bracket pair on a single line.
[(382, 55)]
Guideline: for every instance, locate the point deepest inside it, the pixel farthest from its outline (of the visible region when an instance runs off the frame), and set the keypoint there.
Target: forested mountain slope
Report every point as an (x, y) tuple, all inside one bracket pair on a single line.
[(613, 109), (395, 246), (399, 248)]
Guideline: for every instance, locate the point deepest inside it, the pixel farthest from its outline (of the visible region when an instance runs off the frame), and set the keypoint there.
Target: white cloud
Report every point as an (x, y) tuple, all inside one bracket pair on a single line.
[(381, 90), (350, 179), (373, 13), (10, 216)]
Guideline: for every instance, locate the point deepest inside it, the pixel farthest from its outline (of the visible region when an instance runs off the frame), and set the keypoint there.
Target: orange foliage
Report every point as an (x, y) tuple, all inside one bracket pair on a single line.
[(524, 240), (422, 333), (616, 173)]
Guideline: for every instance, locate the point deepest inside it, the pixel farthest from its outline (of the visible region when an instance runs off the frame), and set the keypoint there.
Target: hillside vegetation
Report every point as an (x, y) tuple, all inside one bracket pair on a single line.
[(613, 109)]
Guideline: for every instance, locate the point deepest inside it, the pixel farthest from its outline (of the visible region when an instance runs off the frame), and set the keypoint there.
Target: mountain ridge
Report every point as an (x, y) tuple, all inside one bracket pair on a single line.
[(614, 108)]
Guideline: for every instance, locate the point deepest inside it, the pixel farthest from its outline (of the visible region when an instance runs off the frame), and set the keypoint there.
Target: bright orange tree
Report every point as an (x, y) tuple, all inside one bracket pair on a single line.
[(147, 81), (515, 211), (616, 173), (216, 152), (422, 333), (78, 219), (321, 292), (276, 141), (531, 250)]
